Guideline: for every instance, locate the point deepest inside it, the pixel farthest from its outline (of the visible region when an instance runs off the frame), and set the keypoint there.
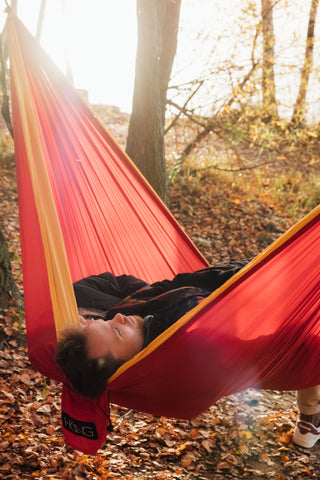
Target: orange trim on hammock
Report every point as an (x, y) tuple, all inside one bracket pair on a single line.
[(189, 315), (63, 301)]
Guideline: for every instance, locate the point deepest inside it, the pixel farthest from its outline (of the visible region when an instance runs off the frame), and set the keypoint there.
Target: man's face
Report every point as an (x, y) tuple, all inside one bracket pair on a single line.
[(122, 337)]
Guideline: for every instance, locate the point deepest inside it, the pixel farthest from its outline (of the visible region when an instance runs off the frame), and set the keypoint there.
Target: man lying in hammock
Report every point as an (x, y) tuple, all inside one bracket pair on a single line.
[(121, 315)]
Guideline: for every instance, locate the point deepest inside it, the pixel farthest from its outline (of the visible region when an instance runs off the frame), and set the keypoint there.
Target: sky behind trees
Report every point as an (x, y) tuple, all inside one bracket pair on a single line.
[(99, 38)]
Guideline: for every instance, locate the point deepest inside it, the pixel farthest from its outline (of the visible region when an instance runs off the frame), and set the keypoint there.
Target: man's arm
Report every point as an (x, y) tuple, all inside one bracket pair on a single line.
[(209, 279), (107, 283)]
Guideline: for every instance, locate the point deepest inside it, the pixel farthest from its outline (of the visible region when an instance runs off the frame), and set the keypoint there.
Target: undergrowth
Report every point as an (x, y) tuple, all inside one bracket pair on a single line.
[(6, 144), (272, 162)]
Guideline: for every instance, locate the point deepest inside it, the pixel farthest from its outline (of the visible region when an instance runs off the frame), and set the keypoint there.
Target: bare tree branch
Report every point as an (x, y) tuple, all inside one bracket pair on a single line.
[(182, 110)]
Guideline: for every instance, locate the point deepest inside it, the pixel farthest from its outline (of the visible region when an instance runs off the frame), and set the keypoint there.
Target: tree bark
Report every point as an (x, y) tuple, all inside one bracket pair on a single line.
[(40, 19), (299, 109), (268, 80), (7, 283), (158, 22)]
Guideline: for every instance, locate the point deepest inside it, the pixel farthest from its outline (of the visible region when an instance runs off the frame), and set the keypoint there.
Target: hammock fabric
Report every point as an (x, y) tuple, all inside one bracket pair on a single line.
[(84, 209)]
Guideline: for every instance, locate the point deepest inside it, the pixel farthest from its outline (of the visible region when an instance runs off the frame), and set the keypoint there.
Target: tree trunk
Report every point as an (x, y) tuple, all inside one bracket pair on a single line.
[(40, 19), (157, 41), (7, 284), (299, 109), (268, 83), (14, 6)]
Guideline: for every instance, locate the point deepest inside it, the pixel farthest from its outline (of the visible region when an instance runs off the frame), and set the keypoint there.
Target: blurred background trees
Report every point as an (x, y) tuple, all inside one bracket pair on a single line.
[(249, 65), (268, 86), (252, 81), (300, 106), (249, 71), (264, 73)]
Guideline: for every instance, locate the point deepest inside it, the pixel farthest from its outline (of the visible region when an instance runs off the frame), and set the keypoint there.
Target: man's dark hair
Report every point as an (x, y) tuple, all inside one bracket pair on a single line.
[(88, 376)]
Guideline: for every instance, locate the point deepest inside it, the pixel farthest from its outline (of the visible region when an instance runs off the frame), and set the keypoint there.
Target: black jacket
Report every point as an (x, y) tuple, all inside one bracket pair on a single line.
[(161, 303)]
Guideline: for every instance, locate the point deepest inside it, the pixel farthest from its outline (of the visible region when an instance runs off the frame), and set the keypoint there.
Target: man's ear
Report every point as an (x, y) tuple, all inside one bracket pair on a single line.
[(101, 363)]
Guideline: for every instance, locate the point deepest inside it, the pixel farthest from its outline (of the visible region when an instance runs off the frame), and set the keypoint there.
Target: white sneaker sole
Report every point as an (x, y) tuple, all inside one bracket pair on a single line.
[(305, 434)]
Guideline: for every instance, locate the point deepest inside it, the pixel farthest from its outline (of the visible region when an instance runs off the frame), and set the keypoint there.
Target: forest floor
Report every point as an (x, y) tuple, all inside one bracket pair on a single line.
[(228, 215)]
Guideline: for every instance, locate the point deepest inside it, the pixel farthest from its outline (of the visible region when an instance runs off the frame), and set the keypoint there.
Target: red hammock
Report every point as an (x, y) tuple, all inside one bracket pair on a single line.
[(84, 209)]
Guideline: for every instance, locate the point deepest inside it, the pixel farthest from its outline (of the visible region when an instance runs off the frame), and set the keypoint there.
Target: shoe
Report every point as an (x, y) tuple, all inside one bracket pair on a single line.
[(305, 434)]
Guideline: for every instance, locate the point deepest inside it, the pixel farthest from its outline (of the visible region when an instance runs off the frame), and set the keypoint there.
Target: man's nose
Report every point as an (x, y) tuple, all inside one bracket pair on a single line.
[(120, 318)]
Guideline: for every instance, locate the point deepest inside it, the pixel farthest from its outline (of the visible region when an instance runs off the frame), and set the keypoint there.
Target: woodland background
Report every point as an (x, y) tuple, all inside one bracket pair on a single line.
[(238, 174)]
